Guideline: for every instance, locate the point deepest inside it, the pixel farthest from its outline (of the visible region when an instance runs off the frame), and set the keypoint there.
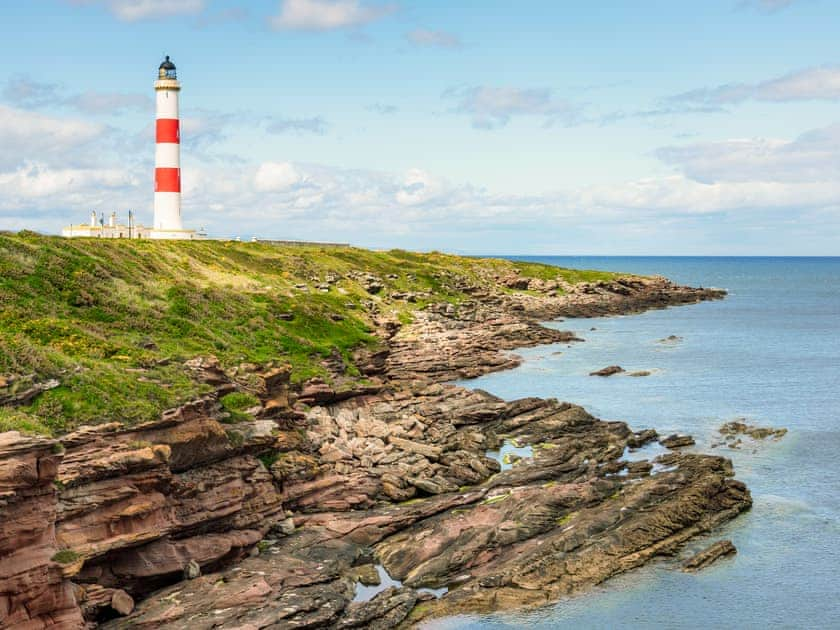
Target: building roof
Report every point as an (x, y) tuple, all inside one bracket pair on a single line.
[(167, 65)]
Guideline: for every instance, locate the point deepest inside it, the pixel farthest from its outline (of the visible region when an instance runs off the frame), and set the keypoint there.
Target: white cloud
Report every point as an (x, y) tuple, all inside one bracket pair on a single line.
[(322, 203), (33, 184), (31, 94), (679, 195), (493, 107), (26, 135), (276, 177), (438, 39), (315, 124), (91, 102), (419, 187), (203, 129), (136, 10), (318, 202), (24, 92), (54, 170), (811, 84), (415, 209), (812, 157), (325, 15)]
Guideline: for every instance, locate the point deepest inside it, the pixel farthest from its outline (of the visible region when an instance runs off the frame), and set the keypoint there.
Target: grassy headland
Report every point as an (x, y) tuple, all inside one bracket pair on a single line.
[(113, 321)]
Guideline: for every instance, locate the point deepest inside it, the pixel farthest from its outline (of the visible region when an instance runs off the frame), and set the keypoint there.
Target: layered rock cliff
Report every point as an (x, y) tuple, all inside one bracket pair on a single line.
[(34, 589)]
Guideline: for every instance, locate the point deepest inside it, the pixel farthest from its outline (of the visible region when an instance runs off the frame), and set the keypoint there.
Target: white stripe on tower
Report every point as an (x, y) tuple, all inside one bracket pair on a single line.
[(167, 153)]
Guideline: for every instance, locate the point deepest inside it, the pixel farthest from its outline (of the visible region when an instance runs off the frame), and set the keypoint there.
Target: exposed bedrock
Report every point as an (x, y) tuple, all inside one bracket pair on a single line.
[(34, 590), (205, 519), (534, 544), (139, 505), (447, 342), (567, 517)]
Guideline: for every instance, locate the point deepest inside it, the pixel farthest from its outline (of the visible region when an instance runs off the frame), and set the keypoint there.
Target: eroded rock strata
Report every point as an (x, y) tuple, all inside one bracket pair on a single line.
[(203, 520), (34, 591)]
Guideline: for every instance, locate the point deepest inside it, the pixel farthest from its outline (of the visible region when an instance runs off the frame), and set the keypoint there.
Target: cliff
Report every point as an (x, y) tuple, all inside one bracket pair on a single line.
[(242, 433)]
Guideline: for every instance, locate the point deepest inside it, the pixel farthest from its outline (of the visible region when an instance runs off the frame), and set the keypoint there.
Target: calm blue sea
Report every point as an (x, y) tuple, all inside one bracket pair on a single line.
[(770, 353)]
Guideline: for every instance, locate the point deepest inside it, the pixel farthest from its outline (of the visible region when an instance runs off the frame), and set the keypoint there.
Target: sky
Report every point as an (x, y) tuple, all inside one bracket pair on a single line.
[(530, 127)]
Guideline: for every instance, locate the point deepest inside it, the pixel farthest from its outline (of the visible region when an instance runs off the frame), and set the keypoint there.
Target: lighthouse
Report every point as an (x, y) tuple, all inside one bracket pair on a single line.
[(167, 222)]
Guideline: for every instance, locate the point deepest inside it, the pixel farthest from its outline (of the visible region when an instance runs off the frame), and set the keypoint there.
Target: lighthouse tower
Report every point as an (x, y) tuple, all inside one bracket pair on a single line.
[(167, 223)]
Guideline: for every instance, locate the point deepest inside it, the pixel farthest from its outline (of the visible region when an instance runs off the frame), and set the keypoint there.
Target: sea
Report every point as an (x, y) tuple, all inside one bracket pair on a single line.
[(769, 354)]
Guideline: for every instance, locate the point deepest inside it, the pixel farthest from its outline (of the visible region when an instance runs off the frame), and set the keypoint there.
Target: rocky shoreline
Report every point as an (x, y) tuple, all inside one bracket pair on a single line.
[(210, 521)]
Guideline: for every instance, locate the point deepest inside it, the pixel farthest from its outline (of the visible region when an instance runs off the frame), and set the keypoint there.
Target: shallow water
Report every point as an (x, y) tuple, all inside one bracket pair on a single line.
[(769, 353), (509, 453), (366, 593)]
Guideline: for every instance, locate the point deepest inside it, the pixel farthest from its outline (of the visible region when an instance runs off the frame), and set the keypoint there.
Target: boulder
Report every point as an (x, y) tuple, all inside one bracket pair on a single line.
[(608, 371), (367, 575), (122, 602), (192, 570)]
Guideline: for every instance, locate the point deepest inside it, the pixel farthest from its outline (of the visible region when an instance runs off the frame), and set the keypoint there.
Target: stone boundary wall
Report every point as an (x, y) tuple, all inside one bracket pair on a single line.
[(301, 243)]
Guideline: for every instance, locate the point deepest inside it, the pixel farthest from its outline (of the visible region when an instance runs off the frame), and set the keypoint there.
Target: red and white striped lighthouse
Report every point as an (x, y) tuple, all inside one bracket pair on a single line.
[(168, 222)]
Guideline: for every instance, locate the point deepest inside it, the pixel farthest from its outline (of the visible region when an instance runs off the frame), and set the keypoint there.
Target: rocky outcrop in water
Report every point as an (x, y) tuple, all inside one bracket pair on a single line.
[(737, 427), (677, 441), (608, 371), (734, 432), (709, 555)]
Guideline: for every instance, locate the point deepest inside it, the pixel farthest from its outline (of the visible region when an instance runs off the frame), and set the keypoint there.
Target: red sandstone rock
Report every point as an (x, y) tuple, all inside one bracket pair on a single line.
[(33, 591)]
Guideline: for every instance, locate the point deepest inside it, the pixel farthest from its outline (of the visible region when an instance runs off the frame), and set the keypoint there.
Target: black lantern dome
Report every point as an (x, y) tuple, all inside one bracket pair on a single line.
[(167, 70)]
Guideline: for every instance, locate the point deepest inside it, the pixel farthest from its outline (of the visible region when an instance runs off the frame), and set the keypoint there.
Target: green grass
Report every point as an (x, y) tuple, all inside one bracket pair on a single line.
[(65, 556), (16, 420), (565, 519), (572, 276), (268, 459), (496, 499), (114, 320), (236, 403)]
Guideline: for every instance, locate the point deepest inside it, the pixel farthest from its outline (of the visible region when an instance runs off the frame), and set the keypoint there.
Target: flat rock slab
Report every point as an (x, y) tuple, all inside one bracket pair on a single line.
[(677, 441), (709, 555)]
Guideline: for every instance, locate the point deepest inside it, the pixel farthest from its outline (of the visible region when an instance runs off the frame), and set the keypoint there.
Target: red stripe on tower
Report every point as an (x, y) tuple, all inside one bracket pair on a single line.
[(167, 130), (168, 180)]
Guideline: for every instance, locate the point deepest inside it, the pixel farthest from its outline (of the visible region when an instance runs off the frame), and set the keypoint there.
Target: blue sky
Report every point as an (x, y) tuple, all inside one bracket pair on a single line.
[(654, 127)]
